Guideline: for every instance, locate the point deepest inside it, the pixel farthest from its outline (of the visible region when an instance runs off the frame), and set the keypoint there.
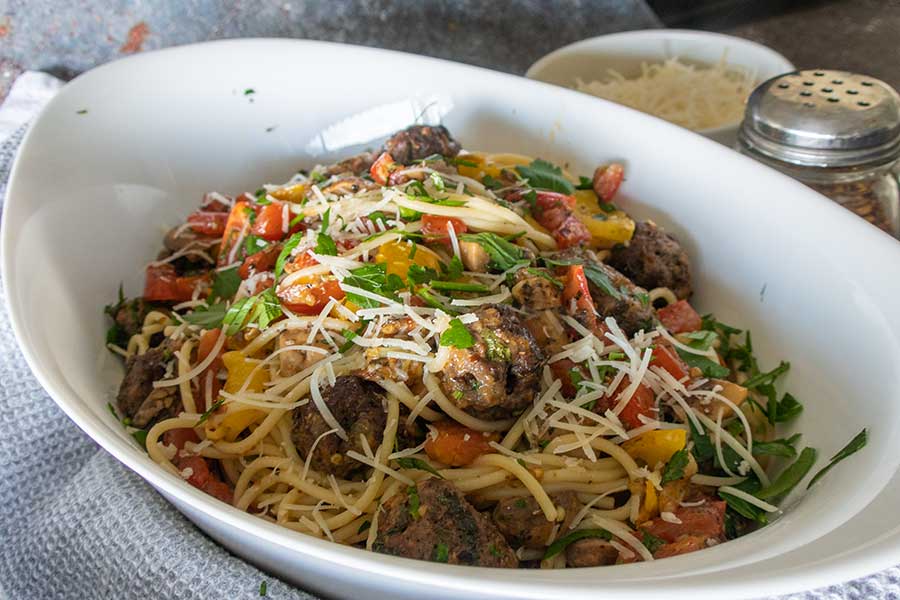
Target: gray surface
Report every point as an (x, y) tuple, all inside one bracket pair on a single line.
[(67, 38), (854, 35)]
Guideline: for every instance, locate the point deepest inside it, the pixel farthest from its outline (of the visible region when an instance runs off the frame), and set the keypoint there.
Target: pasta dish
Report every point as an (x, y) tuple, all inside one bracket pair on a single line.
[(452, 356)]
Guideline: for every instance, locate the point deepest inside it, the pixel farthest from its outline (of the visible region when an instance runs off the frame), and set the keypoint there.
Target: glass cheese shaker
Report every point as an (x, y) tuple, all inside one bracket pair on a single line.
[(837, 132)]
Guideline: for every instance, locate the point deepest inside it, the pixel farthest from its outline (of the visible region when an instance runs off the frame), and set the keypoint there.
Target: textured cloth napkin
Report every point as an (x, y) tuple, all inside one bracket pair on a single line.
[(75, 523)]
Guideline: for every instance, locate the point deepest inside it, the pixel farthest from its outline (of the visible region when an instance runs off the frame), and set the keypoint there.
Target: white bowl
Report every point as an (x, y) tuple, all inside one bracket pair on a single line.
[(591, 59), (90, 191)]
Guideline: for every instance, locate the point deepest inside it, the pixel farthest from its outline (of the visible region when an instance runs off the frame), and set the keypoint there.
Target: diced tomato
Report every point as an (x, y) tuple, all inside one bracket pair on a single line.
[(238, 223), (576, 287), (706, 521), (261, 261), (456, 445), (208, 223), (178, 437), (300, 261), (213, 205), (684, 545), (310, 298), (642, 403), (571, 233), (680, 317), (203, 479), (268, 224), (163, 284), (434, 228), (382, 168), (562, 370), (607, 180), (555, 212), (665, 357)]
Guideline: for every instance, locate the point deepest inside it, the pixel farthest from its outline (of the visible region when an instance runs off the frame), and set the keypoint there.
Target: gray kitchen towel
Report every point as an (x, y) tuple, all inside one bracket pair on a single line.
[(76, 524)]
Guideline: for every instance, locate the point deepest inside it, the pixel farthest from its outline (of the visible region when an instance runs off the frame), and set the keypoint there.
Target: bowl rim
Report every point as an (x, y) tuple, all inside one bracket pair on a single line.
[(605, 42), (502, 582)]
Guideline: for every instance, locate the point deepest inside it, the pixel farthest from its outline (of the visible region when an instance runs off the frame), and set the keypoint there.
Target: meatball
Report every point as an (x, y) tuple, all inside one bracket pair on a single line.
[(357, 165), (137, 398), (129, 316), (498, 376), (654, 259), (348, 185), (522, 522), (591, 552), (536, 289), (433, 521), (420, 141), (357, 406)]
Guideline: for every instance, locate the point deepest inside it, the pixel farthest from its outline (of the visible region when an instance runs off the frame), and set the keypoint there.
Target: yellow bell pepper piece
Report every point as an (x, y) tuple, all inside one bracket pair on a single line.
[(238, 417), (656, 447), (490, 164), (293, 193), (396, 255), (607, 228), (650, 505)]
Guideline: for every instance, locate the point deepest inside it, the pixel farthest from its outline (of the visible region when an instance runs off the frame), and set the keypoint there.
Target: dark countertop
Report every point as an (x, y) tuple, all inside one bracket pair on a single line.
[(66, 38)]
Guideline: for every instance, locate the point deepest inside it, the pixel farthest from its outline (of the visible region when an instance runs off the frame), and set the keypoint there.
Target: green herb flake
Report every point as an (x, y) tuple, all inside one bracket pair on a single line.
[(545, 275), (492, 183), (584, 183), (350, 335), (249, 92), (457, 335), (364, 526), (441, 552), (856, 444), (741, 506), (437, 181), (413, 500), (496, 349), (458, 286), (675, 467), (418, 274), (263, 587), (83, 111), (286, 251), (708, 367), (599, 278), (209, 411), (417, 463), (781, 447), (652, 542), (545, 175), (579, 534), (140, 436)]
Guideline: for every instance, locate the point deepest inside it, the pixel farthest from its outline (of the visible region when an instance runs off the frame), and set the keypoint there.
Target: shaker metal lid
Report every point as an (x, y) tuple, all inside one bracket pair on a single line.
[(823, 118)]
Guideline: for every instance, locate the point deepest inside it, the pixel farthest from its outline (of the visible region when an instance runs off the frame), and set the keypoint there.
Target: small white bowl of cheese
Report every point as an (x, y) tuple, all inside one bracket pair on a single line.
[(695, 79)]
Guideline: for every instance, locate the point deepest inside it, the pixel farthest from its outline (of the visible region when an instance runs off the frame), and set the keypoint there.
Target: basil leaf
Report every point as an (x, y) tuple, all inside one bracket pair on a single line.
[(225, 284), (708, 367), (417, 463), (419, 274), (285, 253), (675, 467), (545, 175), (741, 506), (208, 317), (503, 254), (781, 447), (325, 245), (599, 278), (789, 408), (584, 183), (790, 477), (457, 335), (703, 447), (856, 444), (652, 542), (579, 534), (767, 378)]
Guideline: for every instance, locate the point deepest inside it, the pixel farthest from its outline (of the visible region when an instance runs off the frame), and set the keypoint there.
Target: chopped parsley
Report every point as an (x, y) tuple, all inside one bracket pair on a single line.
[(419, 274), (497, 349), (263, 588), (545, 175), (545, 275), (584, 183), (413, 496), (457, 335), (457, 286), (83, 111), (261, 309), (350, 335), (249, 92), (441, 552), (780, 447), (492, 183), (285, 253), (790, 477), (741, 506), (652, 542), (372, 278)]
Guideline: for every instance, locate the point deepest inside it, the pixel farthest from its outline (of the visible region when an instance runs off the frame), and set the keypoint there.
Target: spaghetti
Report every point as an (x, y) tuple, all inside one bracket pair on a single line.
[(452, 357)]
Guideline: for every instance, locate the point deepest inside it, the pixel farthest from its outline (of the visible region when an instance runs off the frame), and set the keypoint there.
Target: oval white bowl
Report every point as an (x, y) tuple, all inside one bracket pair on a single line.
[(90, 194), (624, 52)]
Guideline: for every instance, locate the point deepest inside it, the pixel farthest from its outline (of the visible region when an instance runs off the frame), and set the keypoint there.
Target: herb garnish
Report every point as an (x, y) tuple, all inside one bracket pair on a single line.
[(857, 443), (209, 411), (457, 335), (504, 254), (417, 463), (579, 534), (441, 552), (652, 542), (413, 495), (675, 467), (546, 176), (225, 284), (790, 477), (496, 349)]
